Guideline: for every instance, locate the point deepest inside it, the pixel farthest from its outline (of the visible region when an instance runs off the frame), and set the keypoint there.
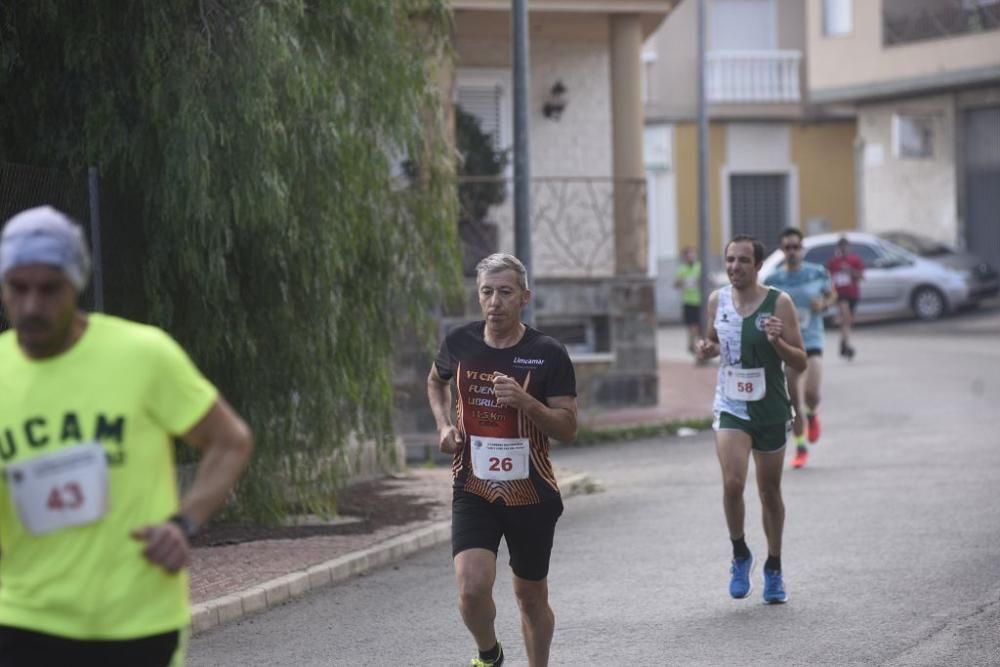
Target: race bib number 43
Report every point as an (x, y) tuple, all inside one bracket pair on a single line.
[(745, 384), (62, 489), (500, 459)]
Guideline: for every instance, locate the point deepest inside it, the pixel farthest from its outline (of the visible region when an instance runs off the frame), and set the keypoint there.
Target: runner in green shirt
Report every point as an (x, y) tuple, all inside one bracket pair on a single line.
[(755, 331)]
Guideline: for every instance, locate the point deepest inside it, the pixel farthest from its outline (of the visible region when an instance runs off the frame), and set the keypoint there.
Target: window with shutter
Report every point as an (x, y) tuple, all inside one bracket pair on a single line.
[(484, 102), (759, 206)]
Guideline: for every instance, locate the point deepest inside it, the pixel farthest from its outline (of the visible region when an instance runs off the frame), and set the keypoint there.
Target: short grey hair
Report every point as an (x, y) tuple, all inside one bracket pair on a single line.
[(501, 261)]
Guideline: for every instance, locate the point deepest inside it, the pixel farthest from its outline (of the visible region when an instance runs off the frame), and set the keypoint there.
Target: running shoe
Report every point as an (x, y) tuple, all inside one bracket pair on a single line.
[(800, 457), (740, 584), (813, 428), (479, 662), (774, 587)]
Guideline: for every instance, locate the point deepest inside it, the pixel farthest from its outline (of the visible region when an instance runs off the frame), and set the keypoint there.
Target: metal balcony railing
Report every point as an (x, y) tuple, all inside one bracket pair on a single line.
[(572, 224), (752, 76), (907, 21)]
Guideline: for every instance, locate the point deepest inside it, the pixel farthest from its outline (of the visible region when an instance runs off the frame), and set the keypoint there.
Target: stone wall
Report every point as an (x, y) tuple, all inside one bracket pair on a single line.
[(623, 375)]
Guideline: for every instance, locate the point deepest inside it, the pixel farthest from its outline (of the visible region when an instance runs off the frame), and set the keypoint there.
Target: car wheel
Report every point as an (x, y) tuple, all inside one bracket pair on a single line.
[(928, 303)]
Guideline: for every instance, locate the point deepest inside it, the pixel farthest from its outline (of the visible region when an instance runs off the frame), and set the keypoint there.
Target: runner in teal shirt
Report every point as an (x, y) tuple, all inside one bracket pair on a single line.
[(811, 289)]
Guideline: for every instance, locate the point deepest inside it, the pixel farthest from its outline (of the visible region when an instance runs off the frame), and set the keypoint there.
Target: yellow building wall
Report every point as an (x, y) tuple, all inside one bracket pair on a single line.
[(686, 166), (824, 155), (822, 152)]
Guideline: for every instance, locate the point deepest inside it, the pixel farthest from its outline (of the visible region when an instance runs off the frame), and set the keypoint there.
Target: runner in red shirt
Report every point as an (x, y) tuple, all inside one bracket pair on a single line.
[(847, 270)]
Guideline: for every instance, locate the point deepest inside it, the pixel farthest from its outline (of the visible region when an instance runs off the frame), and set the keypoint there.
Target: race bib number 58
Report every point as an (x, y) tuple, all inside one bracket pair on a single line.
[(745, 384), (62, 489), (500, 459)]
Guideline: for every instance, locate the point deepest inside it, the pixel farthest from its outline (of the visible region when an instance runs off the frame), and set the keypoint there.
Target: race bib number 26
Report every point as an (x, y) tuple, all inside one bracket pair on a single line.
[(500, 459), (62, 489)]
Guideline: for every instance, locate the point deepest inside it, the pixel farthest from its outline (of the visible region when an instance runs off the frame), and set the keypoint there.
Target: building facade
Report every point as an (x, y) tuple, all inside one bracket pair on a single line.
[(925, 84), (775, 159), (589, 272)]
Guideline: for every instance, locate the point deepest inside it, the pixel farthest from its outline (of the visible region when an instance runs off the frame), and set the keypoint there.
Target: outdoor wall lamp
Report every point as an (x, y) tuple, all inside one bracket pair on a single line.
[(556, 101)]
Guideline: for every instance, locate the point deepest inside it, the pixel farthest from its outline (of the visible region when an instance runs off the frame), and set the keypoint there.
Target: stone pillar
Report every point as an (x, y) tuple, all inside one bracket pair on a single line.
[(627, 131)]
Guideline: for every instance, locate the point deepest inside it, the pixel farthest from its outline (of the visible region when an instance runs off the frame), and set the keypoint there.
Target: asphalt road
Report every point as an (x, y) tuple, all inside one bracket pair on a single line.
[(892, 543)]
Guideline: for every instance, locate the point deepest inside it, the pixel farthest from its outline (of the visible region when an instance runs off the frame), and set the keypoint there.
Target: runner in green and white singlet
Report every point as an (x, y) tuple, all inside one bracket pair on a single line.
[(755, 330), (750, 365)]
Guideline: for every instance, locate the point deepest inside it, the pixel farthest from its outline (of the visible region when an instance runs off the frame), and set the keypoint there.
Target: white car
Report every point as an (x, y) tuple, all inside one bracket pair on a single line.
[(897, 283)]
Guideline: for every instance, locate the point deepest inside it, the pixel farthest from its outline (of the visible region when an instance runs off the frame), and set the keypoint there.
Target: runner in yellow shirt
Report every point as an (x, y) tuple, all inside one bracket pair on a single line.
[(687, 280), (94, 540)]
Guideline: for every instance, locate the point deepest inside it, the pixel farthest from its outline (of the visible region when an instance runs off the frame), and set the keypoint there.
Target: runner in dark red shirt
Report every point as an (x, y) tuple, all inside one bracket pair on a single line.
[(847, 270), (537, 364), (516, 389)]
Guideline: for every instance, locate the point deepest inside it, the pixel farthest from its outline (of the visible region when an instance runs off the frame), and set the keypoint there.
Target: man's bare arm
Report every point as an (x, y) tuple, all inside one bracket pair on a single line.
[(785, 335), (226, 444), (439, 397)]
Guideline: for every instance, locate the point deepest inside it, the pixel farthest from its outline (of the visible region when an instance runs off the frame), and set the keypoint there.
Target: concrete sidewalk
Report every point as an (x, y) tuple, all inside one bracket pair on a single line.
[(232, 581), (686, 389)]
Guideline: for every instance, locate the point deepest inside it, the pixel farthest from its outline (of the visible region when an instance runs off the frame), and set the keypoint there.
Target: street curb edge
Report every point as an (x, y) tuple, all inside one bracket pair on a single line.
[(236, 606)]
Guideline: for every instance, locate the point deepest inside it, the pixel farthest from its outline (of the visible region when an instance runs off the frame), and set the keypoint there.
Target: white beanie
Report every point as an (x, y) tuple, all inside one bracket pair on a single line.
[(43, 235)]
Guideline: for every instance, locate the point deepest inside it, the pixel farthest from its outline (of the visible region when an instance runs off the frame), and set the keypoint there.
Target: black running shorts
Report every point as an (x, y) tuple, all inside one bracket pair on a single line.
[(852, 302), (528, 529), (25, 648), (692, 314)]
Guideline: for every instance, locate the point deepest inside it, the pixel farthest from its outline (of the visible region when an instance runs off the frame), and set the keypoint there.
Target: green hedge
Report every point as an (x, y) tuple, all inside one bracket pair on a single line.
[(256, 207)]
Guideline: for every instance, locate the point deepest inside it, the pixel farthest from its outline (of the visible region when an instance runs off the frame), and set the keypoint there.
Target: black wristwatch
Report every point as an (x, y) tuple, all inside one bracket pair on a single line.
[(187, 526)]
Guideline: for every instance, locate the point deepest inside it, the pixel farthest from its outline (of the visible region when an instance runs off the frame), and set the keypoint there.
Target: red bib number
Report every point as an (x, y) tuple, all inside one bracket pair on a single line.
[(745, 384), (500, 459), (62, 489)]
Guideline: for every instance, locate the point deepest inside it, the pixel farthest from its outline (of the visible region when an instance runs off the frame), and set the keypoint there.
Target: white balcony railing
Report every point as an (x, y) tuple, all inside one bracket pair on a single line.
[(752, 76)]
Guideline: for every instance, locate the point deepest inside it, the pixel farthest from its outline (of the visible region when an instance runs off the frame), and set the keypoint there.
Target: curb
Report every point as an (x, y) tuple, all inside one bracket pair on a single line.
[(230, 608)]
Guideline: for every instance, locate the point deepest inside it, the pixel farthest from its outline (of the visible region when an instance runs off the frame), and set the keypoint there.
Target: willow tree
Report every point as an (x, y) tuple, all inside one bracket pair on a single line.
[(251, 153)]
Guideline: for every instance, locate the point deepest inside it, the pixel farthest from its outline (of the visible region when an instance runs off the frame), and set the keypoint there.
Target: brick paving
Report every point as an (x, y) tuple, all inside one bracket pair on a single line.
[(222, 570)]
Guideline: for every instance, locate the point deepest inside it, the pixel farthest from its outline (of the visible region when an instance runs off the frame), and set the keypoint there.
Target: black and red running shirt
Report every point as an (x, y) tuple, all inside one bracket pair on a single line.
[(542, 366)]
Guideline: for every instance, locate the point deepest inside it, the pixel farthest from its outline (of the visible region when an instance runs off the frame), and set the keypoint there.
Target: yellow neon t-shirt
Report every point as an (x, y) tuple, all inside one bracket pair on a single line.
[(129, 387)]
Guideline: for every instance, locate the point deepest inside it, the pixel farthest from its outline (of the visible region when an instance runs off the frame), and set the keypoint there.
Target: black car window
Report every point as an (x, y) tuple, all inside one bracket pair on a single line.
[(867, 253), (918, 245), (820, 254), (904, 241)]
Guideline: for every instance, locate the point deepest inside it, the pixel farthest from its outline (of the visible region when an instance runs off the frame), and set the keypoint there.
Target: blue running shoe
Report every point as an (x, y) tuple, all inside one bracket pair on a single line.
[(740, 585), (774, 587)]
